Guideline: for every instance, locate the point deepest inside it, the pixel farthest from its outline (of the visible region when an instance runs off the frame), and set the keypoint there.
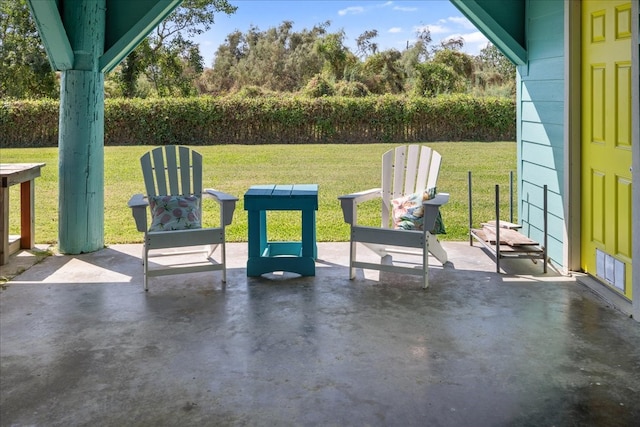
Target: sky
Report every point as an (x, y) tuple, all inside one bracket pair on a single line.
[(397, 22)]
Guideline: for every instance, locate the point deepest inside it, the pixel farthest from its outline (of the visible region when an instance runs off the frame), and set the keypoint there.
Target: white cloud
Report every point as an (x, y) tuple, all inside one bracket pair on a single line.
[(469, 38), (462, 21), (352, 10), (473, 42), (475, 37), (395, 30), (433, 29), (355, 10), (405, 9)]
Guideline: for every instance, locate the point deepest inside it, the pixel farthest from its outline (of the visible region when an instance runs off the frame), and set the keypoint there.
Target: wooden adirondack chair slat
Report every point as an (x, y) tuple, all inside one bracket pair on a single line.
[(398, 171), (423, 170), (434, 169), (411, 168), (172, 170), (197, 173), (387, 168), (159, 173), (147, 174)]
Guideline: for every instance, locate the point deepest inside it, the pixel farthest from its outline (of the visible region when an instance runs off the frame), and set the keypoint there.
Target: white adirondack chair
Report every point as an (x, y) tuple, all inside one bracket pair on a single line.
[(177, 171), (405, 170)]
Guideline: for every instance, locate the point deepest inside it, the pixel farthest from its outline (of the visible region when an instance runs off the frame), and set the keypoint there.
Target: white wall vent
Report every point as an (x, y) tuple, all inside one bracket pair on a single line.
[(610, 269)]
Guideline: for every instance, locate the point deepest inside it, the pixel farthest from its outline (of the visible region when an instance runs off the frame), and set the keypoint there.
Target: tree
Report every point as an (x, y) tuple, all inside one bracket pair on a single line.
[(383, 72), (492, 59), (419, 50), (415, 54), (25, 71), (365, 45), (167, 58), (495, 74), (331, 47), (452, 43), (221, 78), (435, 78), (461, 63), (303, 61), (277, 59), (265, 59), (172, 66)]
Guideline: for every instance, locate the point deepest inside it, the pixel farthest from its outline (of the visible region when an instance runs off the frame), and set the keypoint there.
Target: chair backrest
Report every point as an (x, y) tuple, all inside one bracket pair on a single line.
[(172, 171), (406, 170)]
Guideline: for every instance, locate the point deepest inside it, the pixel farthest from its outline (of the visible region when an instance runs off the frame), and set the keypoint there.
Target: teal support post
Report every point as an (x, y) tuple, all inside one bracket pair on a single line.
[(83, 40), (81, 137)]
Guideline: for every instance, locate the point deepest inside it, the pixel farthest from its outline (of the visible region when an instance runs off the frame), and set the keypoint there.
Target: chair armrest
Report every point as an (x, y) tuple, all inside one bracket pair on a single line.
[(432, 209), (439, 200), (138, 204), (349, 203), (227, 204), (362, 196)]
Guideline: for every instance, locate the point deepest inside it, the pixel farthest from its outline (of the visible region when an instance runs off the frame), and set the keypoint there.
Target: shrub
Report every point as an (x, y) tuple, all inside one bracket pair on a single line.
[(352, 89), (251, 92), (434, 78), (270, 119), (317, 87), (29, 123)]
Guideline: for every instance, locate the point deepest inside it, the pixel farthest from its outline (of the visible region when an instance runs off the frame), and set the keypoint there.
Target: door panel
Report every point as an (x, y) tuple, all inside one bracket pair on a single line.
[(623, 105), (623, 217), (597, 206), (606, 142)]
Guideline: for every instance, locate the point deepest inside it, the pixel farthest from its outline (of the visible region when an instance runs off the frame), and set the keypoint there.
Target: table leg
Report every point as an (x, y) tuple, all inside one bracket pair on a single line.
[(309, 248), (27, 214), (263, 232), (253, 226), (257, 233), (4, 225)]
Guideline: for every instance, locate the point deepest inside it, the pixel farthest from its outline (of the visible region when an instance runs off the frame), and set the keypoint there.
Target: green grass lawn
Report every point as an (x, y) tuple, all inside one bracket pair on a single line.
[(337, 169)]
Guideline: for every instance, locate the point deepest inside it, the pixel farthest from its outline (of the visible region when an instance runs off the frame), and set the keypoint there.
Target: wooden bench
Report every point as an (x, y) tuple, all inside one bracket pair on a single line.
[(25, 175)]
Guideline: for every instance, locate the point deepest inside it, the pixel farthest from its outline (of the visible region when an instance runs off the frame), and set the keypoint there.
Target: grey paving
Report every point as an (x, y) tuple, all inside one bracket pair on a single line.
[(81, 344)]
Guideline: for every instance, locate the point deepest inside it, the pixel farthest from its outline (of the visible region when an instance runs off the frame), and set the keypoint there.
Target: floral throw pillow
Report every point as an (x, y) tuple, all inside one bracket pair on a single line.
[(174, 212), (408, 211)]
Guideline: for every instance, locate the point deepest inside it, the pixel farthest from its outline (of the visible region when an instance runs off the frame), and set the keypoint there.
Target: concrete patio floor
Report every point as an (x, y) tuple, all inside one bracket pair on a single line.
[(81, 343)]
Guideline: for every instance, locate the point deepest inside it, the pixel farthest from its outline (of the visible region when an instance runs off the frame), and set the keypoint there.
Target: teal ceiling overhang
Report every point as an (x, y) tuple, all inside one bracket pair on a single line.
[(127, 23), (502, 22)]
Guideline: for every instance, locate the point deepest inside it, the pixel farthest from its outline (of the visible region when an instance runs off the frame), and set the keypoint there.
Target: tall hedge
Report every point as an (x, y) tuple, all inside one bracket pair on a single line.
[(267, 120)]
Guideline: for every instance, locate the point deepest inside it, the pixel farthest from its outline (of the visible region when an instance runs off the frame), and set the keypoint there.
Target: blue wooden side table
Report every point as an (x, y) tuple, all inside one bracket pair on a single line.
[(296, 257)]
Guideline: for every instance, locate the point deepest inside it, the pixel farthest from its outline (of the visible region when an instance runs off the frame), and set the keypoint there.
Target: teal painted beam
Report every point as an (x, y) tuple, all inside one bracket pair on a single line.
[(503, 38), (81, 136), (54, 37), (131, 38)]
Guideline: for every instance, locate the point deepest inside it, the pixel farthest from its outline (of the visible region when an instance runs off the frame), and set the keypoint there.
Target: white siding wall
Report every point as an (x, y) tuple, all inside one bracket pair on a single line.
[(541, 125)]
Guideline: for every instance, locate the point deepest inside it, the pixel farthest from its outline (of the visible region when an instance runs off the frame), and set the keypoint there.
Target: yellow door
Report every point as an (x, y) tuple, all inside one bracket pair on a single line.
[(606, 142)]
